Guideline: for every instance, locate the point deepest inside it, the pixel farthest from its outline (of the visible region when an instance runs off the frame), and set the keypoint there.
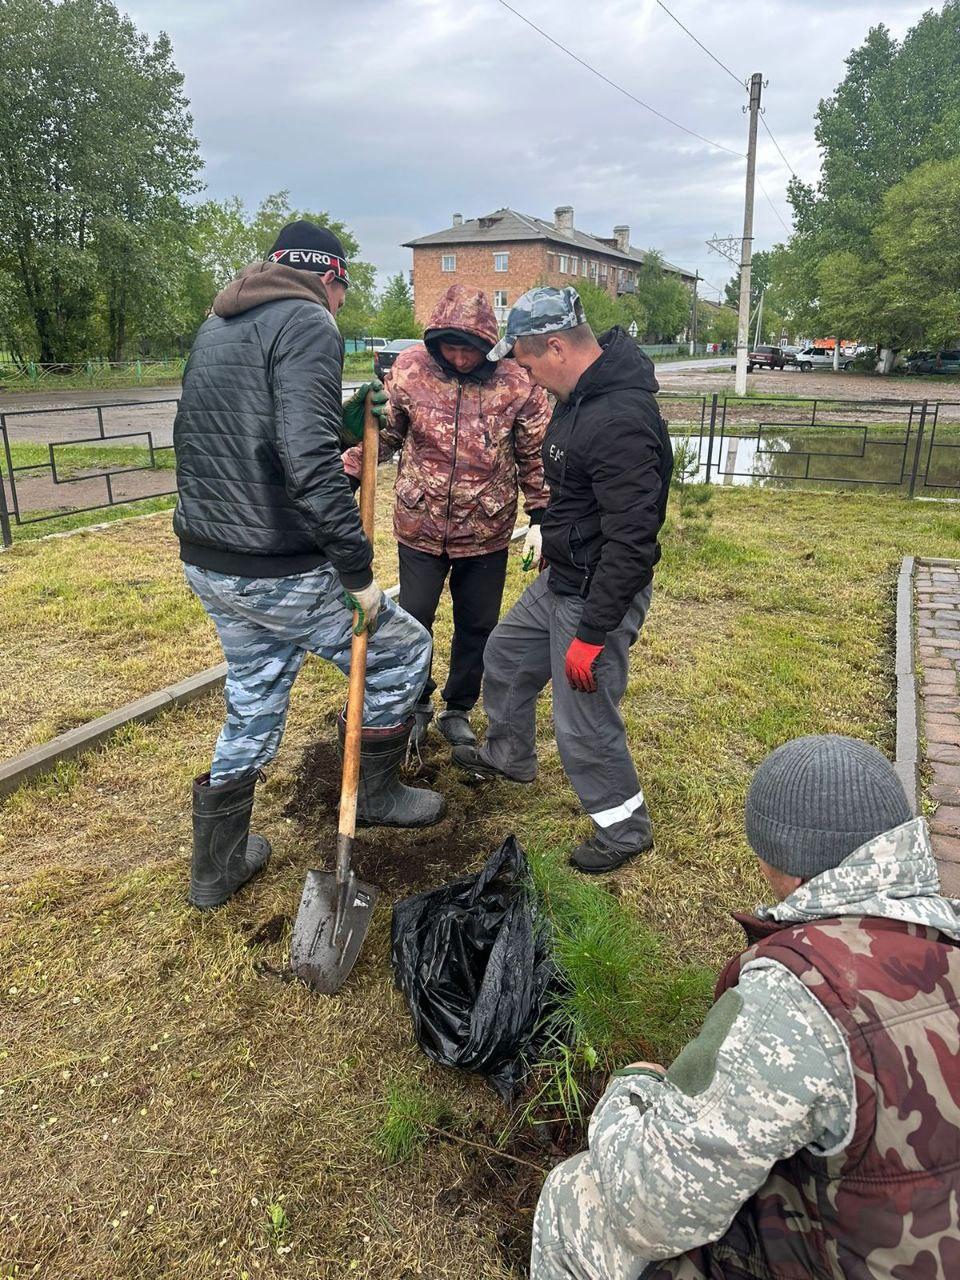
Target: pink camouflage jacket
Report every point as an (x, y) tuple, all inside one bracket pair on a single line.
[(465, 443)]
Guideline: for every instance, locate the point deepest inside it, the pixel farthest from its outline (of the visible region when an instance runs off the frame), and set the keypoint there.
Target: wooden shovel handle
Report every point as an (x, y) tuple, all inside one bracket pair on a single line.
[(358, 647)]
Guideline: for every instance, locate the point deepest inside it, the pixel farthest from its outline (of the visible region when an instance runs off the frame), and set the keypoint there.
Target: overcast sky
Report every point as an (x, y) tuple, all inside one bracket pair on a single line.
[(394, 114)]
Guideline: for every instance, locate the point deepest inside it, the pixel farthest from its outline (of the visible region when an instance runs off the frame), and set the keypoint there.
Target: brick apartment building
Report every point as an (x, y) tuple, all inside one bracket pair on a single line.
[(505, 253)]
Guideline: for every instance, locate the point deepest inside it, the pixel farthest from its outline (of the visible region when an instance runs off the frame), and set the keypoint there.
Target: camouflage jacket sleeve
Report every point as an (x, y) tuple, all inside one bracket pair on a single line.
[(676, 1158), (391, 437), (529, 428)]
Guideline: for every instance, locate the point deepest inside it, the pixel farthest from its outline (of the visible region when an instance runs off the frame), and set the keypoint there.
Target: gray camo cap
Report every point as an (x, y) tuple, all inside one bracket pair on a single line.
[(543, 310)]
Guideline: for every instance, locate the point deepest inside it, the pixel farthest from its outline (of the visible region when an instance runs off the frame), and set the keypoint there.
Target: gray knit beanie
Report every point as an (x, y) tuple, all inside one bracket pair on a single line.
[(814, 800)]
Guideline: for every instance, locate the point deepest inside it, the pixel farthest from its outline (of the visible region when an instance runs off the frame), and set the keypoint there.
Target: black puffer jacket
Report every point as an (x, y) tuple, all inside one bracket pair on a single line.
[(262, 491), (608, 461)]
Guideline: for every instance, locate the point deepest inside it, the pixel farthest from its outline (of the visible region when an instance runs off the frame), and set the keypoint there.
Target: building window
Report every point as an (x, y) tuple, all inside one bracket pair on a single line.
[(593, 272), (583, 266), (500, 261), (564, 264), (573, 266), (603, 273), (448, 262), (499, 297)]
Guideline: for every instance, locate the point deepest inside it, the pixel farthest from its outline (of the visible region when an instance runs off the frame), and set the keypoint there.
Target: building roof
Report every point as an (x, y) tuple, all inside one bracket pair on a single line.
[(506, 225)]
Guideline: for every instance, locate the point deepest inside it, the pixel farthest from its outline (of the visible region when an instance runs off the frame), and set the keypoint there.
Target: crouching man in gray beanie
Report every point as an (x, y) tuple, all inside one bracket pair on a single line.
[(813, 1127)]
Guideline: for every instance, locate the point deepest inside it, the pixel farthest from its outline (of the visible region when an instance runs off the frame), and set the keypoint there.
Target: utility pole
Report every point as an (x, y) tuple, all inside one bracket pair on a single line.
[(693, 340), (746, 253)]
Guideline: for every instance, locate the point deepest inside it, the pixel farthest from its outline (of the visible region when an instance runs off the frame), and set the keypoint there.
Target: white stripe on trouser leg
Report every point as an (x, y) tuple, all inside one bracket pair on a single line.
[(619, 812)]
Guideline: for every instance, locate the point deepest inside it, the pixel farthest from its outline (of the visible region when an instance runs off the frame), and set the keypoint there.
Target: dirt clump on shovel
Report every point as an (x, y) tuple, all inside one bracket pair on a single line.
[(399, 861)]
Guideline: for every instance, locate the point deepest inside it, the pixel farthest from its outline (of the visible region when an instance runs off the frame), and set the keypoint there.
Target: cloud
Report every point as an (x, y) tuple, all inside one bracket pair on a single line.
[(394, 114)]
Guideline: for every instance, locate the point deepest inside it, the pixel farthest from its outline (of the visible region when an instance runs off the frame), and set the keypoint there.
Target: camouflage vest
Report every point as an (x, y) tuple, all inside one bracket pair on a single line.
[(886, 1207)]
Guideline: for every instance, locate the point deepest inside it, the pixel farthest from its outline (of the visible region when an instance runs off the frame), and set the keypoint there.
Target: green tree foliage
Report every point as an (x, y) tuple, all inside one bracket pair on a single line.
[(903, 288), (225, 237), (662, 303), (394, 316), (602, 310), (96, 154), (721, 326), (896, 110)]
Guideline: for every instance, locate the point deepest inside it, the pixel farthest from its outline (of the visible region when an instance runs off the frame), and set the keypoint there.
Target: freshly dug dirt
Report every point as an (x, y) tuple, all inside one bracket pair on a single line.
[(400, 862)]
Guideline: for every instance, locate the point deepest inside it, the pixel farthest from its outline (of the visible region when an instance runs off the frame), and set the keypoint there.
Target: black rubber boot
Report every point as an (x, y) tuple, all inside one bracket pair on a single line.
[(225, 855), (382, 799), (597, 859), (454, 725)]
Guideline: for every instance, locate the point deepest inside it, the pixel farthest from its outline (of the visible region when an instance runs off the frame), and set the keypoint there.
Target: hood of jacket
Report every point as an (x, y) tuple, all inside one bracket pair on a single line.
[(268, 282), (894, 875), (462, 314), (623, 366)]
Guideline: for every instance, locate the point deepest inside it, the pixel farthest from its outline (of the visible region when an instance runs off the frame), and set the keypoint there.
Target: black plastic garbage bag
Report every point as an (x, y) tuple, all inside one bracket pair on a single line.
[(473, 959)]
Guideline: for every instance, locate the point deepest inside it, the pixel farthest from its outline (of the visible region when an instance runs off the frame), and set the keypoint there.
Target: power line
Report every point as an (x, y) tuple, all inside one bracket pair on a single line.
[(730, 73), (777, 145), (619, 87), (773, 207)]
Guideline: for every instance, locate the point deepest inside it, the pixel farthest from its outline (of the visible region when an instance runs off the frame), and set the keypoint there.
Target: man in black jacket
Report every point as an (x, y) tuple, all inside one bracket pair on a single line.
[(608, 461), (272, 543)]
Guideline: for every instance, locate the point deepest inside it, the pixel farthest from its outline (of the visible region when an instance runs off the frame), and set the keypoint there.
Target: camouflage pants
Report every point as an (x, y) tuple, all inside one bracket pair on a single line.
[(268, 625), (572, 1237)]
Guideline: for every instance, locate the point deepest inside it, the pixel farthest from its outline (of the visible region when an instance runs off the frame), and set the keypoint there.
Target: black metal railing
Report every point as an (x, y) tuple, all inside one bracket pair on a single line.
[(44, 459), (911, 447), (901, 445)]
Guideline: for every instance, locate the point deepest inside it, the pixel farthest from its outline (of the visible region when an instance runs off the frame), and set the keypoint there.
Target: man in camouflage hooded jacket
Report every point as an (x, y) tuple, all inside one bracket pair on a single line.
[(469, 433), (812, 1129)]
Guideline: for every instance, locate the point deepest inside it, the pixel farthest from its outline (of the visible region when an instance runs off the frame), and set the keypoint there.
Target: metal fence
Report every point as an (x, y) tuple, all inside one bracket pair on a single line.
[(911, 447), (67, 461), (23, 374), (64, 461)]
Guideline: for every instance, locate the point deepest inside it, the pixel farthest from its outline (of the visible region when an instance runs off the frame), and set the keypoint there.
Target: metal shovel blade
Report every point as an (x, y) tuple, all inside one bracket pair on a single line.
[(329, 929)]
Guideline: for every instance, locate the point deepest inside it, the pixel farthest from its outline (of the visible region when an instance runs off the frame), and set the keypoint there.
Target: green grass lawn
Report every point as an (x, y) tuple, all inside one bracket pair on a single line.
[(169, 1107), (73, 458)]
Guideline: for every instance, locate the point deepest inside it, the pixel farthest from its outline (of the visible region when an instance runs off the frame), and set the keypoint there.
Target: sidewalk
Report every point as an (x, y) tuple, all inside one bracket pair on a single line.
[(937, 588)]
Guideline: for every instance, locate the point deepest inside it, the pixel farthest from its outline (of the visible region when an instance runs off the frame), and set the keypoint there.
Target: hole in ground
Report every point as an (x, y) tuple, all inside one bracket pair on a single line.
[(398, 861)]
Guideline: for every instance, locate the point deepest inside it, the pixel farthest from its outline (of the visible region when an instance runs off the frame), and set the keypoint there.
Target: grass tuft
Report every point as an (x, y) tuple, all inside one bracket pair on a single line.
[(410, 1115)]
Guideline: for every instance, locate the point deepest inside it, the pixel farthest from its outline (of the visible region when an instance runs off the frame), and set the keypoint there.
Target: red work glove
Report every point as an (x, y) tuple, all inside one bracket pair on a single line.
[(579, 667)]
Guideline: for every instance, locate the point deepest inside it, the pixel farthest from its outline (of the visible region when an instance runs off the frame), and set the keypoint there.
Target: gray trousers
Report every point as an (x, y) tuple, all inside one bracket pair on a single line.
[(268, 625), (526, 651)]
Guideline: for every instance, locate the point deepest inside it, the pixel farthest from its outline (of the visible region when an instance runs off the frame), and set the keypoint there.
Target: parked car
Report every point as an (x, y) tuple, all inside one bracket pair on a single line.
[(373, 344), (934, 362), (819, 358), (765, 358), (384, 358)]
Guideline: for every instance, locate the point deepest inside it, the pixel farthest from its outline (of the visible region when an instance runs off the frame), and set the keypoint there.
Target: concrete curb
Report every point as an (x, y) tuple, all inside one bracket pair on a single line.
[(907, 761), (38, 760)]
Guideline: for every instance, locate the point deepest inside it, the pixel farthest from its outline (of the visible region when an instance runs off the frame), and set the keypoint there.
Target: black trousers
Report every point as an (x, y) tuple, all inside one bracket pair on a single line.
[(476, 586)]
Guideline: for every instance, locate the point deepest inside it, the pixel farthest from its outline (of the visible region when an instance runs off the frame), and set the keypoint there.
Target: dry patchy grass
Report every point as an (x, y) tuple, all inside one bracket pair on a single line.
[(170, 1107), (102, 617)]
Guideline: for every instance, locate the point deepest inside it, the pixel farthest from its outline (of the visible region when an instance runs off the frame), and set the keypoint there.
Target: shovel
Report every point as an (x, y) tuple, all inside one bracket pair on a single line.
[(336, 908)]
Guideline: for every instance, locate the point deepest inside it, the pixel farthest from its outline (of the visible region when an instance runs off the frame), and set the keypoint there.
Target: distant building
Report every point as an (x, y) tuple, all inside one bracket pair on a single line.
[(505, 253)]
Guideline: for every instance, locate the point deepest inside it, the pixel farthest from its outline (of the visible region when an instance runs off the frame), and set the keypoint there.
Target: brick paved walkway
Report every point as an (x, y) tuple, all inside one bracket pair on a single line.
[(937, 587)]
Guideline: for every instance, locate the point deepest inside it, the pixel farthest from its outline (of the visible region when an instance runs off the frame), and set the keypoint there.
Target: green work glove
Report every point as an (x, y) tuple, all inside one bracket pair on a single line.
[(353, 409)]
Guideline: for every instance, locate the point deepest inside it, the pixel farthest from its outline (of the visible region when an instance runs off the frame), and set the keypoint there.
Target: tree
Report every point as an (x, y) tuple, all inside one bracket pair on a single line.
[(602, 310), (394, 317), (96, 150), (760, 279), (224, 238), (897, 107), (903, 287), (721, 326), (662, 300)]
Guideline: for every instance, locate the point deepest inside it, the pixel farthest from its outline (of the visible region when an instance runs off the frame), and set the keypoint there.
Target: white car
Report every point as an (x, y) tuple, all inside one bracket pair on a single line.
[(817, 358)]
